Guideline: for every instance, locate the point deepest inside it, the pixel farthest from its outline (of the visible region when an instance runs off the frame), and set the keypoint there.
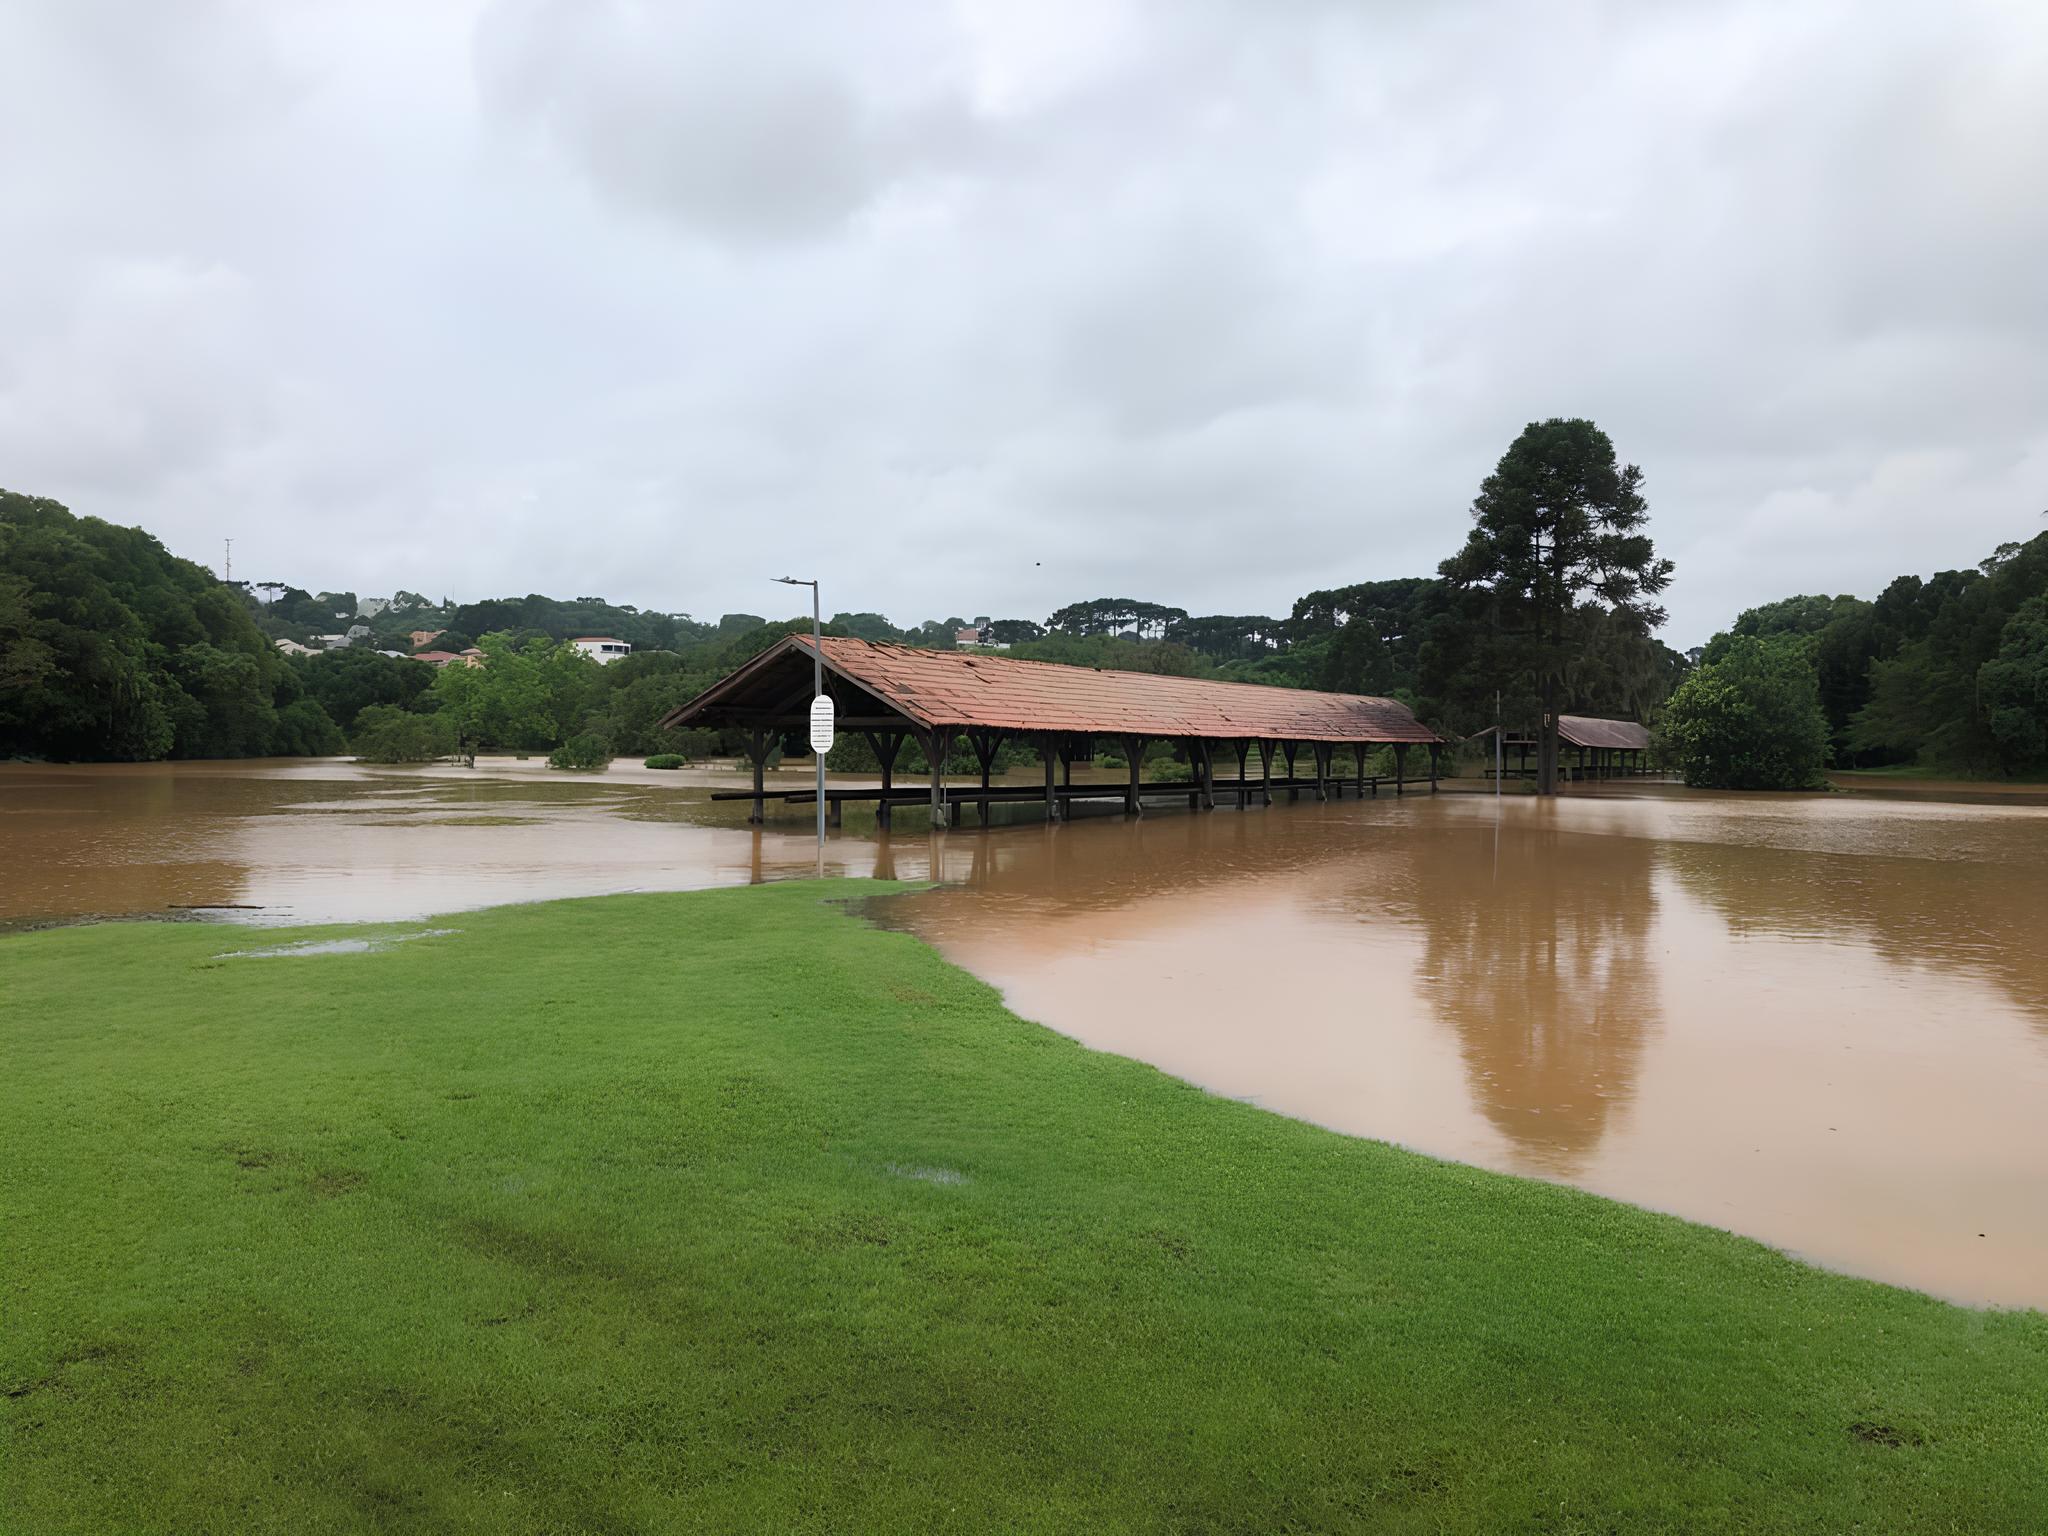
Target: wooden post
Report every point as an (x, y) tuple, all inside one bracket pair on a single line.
[(757, 750), (985, 744), (1242, 746), (1358, 754), (1205, 773), (1049, 749), (1400, 767), (1433, 750), (1134, 754), (935, 754), (1265, 773), (1291, 748), (886, 745), (1319, 754)]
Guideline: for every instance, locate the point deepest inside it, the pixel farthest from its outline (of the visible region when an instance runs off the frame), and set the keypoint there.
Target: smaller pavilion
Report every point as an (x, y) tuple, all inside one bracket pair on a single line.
[(1606, 749)]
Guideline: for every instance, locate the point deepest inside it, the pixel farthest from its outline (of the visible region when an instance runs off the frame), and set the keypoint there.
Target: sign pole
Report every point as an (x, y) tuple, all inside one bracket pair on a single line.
[(821, 702), (817, 693)]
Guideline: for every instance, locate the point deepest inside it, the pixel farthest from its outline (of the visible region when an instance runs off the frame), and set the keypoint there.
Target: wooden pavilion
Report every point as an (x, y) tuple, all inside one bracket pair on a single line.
[(1606, 749), (893, 693)]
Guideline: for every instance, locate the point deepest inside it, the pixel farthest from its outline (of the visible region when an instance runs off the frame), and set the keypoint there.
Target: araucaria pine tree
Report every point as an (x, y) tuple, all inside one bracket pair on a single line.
[(1558, 563)]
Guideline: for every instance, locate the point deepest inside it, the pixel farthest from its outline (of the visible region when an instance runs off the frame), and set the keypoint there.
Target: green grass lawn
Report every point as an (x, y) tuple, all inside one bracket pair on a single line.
[(724, 1211)]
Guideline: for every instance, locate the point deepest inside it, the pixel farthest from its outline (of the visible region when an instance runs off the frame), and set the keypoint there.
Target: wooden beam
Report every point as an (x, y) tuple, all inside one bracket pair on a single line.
[(722, 719)]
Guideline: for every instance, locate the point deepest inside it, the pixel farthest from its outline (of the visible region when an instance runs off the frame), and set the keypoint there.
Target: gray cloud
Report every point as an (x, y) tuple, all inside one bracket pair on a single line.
[(1211, 303)]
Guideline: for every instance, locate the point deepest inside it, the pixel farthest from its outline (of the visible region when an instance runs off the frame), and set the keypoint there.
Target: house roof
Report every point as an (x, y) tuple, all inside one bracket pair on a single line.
[(1592, 731), (597, 640), (982, 690)]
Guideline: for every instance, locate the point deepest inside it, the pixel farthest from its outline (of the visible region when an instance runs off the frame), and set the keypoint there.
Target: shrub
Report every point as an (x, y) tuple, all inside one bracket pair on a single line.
[(583, 751), (667, 760), (386, 733), (1751, 720)]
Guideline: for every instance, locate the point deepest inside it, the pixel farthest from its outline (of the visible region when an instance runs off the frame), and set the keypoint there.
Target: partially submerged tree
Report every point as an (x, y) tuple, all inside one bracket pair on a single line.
[(1556, 557), (1750, 720), (2014, 685)]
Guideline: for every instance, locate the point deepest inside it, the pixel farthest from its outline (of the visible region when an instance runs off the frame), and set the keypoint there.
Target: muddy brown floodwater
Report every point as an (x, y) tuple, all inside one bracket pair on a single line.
[(1819, 1021)]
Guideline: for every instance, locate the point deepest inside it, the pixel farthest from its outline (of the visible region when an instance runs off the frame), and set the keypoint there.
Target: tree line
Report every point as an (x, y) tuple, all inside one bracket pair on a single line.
[(1948, 673), (112, 648)]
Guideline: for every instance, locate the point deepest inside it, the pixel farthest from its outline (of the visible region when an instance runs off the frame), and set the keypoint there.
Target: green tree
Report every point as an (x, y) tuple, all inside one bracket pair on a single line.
[(1558, 540), (1014, 631), (1117, 653), (346, 682), (584, 751), (222, 703), (866, 626), (936, 634), (1750, 720), (524, 696), (642, 689), (1116, 616), (2014, 689), (1228, 637), (113, 648), (387, 734)]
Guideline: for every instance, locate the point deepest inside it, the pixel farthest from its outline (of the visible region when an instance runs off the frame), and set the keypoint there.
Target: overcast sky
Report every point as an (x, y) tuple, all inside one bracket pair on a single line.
[(988, 307)]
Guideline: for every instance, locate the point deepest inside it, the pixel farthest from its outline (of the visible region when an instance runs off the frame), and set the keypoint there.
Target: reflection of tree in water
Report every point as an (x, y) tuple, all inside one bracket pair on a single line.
[(1981, 918), (1539, 959)]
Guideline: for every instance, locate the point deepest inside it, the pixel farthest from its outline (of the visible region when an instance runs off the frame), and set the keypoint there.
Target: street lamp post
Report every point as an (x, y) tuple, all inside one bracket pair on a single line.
[(817, 687)]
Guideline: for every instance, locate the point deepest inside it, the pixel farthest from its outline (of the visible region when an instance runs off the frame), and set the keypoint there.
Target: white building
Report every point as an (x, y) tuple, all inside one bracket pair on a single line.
[(293, 648), (601, 648)]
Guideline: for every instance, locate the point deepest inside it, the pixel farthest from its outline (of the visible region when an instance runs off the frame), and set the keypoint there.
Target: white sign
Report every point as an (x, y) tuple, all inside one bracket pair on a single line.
[(821, 723)]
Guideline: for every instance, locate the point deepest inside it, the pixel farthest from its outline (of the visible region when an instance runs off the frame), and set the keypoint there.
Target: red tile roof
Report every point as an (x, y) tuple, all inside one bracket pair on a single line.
[(977, 689), (1591, 731)]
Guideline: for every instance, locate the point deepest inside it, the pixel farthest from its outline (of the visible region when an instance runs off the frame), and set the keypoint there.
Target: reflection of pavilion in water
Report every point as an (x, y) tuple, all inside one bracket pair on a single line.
[(1542, 966), (1103, 864)]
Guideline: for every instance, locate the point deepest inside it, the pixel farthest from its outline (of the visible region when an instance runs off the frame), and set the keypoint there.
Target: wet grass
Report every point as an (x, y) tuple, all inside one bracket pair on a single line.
[(724, 1211)]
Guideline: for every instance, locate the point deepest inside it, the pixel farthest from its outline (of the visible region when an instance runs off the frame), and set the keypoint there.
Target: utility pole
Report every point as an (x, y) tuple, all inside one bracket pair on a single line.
[(227, 575)]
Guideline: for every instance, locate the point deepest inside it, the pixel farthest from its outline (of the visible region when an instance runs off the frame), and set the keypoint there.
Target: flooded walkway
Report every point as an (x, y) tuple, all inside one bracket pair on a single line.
[(1820, 1021)]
